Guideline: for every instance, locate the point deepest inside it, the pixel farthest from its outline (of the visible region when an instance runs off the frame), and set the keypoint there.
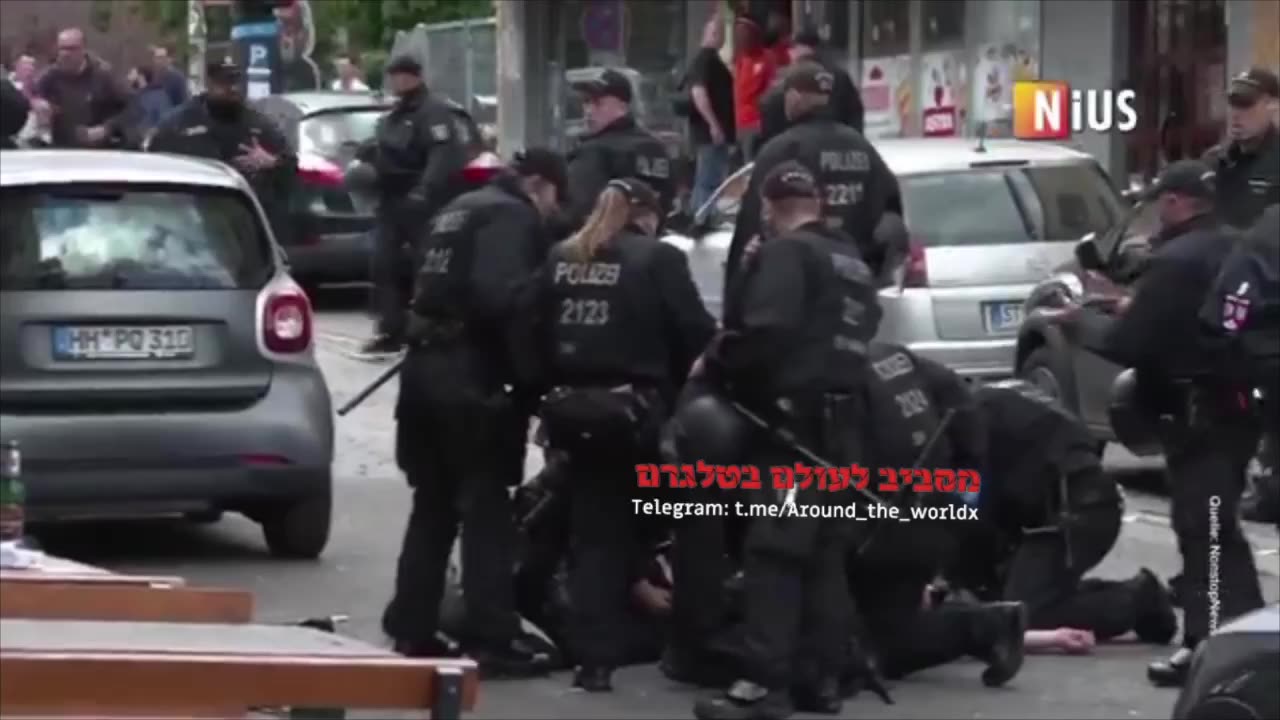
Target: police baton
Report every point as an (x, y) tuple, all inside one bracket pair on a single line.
[(372, 387), (788, 440)]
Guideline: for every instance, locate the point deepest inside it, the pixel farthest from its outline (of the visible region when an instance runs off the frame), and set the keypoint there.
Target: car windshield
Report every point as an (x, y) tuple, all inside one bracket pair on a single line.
[(998, 206), (74, 237), (335, 135)]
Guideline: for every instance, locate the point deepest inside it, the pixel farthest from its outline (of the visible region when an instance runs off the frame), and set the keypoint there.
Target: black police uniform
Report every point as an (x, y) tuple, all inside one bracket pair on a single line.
[(1204, 426), (794, 352), (925, 418), (621, 149), (459, 434), (14, 108), (1048, 514), (622, 329), (846, 101), (418, 154), (204, 128), (1248, 175), (1244, 309), (857, 186)]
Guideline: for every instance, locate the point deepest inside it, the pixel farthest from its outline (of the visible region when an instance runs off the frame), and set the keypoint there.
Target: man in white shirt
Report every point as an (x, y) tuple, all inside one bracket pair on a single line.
[(348, 79)]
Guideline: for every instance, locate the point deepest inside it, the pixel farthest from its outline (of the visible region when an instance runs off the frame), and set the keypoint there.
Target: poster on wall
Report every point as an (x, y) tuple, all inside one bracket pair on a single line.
[(997, 68), (942, 95), (886, 96)]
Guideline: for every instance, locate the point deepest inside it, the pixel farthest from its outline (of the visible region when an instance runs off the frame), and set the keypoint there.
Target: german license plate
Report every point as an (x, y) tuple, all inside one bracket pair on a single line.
[(1002, 317), (123, 342)]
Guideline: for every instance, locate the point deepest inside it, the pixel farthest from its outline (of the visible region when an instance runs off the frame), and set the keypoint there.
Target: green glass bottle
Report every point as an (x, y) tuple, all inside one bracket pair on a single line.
[(13, 494)]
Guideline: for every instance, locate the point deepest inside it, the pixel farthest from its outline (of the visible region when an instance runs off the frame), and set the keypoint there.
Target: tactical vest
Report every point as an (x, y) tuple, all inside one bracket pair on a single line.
[(606, 321), (904, 416), (445, 258), (851, 301), (1031, 435), (636, 153)]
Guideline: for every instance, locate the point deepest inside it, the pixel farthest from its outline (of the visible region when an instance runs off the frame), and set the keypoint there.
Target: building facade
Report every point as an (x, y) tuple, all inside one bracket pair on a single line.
[(925, 67)]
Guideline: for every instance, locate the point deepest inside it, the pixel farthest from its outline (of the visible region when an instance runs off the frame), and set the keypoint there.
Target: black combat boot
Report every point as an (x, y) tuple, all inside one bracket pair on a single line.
[(1172, 672), (700, 668), (440, 646), (745, 700), (821, 695), (998, 630), (1157, 623), (514, 659), (593, 678)]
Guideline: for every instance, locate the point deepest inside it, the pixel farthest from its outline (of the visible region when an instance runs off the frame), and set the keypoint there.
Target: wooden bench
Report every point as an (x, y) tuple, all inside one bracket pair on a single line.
[(93, 669), (64, 590)]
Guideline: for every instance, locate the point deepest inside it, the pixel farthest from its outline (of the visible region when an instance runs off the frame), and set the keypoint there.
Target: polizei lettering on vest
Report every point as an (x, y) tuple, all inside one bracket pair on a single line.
[(843, 161), (601, 274), (894, 366)]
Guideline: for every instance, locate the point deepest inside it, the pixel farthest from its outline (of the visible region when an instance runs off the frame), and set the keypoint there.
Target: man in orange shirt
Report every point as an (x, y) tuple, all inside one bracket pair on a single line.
[(753, 71)]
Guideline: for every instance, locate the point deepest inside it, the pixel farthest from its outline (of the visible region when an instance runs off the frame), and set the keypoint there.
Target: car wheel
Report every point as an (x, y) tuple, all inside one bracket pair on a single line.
[(1041, 369), (300, 529)]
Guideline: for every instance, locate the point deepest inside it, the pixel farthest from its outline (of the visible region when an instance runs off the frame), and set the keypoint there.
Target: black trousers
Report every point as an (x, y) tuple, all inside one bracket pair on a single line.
[(906, 637), (460, 467), (706, 552), (796, 614), (1052, 590), (1206, 469), (604, 541), (389, 272)]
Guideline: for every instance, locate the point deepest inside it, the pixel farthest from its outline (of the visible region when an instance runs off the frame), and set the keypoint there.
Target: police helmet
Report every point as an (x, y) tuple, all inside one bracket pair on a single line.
[(1131, 417), (707, 428)]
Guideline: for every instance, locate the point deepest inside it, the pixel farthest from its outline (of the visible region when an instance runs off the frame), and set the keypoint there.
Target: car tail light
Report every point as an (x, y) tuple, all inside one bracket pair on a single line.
[(264, 460), (915, 273), (482, 169), (286, 321), (315, 170)]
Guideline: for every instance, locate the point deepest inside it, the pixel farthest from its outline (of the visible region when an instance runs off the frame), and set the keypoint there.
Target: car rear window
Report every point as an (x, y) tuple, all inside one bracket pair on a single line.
[(336, 135), (128, 238), (971, 208), (1067, 202), (993, 206)]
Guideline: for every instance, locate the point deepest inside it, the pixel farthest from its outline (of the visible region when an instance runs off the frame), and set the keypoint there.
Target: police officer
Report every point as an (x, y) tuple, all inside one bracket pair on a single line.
[(856, 186), (1244, 309), (1204, 427), (459, 433), (219, 126), (417, 154), (615, 147), (1248, 164), (1048, 514), (794, 353), (845, 103), (924, 418), (623, 325)]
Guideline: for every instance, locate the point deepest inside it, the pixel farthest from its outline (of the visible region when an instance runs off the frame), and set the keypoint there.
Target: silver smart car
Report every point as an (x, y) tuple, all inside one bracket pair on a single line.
[(155, 356)]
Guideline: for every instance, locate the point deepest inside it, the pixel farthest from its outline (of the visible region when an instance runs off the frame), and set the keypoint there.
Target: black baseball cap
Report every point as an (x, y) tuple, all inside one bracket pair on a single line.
[(223, 72), (808, 36), (1184, 177), (789, 180), (610, 83), (639, 193), (811, 78), (546, 164), (1251, 86), (404, 65)]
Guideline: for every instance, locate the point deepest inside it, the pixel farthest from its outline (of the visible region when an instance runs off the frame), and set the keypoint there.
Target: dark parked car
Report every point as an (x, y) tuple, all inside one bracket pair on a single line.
[(1081, 380), (329, 239)]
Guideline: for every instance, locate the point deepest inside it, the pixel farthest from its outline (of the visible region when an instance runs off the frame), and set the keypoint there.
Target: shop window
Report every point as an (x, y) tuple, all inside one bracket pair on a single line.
[(942, 24), (886, 28)]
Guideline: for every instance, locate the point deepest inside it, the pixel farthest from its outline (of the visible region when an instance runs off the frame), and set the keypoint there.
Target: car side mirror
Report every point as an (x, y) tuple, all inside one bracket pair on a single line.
[(1086, 252)]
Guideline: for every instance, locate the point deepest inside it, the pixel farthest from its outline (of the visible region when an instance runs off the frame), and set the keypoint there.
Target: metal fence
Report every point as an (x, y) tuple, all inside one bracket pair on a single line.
[(459, 60)]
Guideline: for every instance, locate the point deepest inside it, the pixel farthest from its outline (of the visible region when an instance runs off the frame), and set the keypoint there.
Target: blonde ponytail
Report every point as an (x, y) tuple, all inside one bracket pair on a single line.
[(611, 213)]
